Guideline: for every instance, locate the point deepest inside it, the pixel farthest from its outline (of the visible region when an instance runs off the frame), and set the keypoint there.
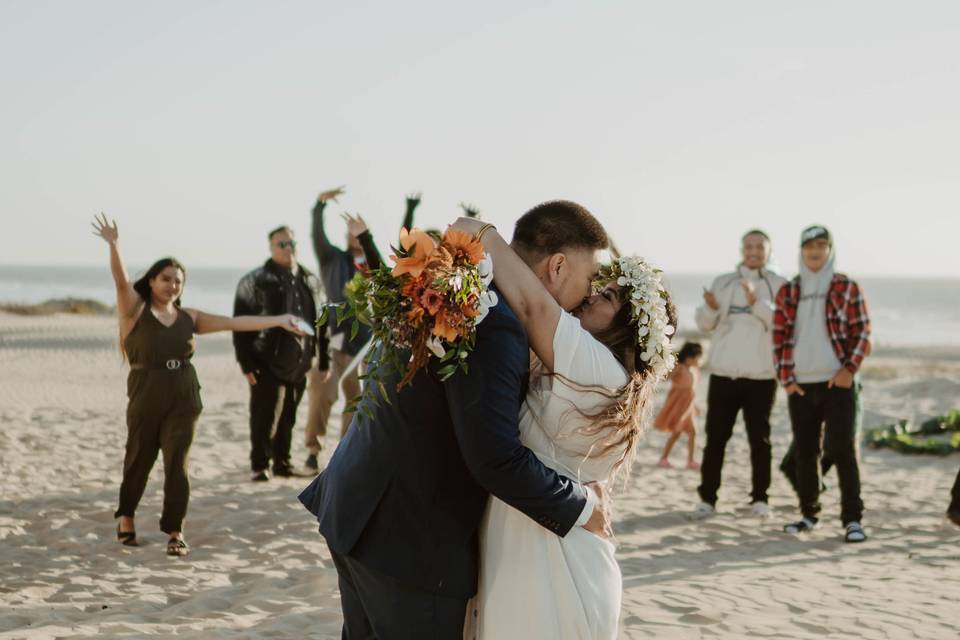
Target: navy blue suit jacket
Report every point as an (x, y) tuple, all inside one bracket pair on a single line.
[(404, 493)]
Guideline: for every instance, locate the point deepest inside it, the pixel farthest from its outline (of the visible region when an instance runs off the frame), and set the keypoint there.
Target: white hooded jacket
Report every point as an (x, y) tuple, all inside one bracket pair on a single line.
[(741, 334)]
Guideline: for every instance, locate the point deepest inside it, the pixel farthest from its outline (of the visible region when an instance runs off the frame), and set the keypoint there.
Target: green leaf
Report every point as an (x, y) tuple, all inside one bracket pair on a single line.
[(383, 392), (354, 330), (447, 371)]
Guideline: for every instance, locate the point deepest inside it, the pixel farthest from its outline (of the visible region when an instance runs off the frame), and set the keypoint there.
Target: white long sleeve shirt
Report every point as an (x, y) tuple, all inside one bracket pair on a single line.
[(741, 334)]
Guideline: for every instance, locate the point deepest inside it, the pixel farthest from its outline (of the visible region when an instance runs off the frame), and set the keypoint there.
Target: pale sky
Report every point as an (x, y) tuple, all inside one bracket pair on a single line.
[(201, 125)]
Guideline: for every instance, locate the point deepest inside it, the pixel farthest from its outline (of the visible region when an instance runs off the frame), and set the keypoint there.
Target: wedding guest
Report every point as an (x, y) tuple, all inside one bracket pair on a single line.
[(737, 314), (821, 336), (953, 511), (679, 409), (276, 363), (156, 338), (337, 268)]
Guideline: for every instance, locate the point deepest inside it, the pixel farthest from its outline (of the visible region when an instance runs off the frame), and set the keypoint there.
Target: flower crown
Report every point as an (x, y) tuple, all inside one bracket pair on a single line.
[(648, 300)]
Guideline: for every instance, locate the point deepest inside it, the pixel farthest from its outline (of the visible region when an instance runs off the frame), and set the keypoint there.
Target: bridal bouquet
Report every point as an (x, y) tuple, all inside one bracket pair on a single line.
[(427, 305)]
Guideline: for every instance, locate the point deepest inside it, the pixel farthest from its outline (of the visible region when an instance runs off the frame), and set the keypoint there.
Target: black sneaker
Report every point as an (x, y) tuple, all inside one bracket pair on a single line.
[(803, 526), (260, 476), (312, 464), (285, 471)]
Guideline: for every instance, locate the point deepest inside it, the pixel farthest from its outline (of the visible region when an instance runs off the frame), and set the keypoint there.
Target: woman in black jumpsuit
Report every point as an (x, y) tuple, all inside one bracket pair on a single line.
[(156, 336)]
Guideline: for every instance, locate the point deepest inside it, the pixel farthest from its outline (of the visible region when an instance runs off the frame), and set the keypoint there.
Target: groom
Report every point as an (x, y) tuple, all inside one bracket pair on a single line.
[(401, 500)]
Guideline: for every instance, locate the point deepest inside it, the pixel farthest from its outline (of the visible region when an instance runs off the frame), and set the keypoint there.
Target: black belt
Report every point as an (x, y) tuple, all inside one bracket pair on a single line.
[(170, 365)]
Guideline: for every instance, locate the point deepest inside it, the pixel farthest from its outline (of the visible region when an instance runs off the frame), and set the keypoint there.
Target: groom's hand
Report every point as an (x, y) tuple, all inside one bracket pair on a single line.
[(599, 522)]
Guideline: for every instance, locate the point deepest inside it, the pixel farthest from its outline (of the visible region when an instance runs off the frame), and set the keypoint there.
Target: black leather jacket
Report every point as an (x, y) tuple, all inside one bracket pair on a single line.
[(273, 290)]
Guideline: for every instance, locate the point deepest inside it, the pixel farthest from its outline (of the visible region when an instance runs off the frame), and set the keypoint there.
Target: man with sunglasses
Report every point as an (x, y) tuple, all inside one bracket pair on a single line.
[(276, 363)]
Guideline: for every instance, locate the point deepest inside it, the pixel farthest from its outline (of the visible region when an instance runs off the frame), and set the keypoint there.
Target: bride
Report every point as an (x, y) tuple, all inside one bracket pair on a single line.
[(590, 394)]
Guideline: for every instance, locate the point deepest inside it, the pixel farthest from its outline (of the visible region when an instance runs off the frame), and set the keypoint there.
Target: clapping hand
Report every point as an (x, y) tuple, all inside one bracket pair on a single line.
[(332, 194), (710, 299), (104, 229), (749, 291), (355, 225)]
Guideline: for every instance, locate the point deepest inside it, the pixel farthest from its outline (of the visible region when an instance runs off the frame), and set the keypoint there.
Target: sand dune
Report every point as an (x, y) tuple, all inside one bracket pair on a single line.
[(259, 568)]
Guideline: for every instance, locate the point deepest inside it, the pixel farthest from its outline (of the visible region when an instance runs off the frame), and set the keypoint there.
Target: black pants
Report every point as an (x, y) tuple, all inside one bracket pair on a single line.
[(379, 607), (955, 496), (789, 463), (726, 397), (826, 418), (147, 435), (273, 412)]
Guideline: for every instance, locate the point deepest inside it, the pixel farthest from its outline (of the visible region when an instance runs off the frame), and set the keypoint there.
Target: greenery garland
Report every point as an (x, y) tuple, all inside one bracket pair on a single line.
[(937, 436)]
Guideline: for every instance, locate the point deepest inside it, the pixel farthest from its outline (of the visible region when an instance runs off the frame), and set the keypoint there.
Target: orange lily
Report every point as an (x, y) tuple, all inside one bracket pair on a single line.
[(442, 327), (419, 246)]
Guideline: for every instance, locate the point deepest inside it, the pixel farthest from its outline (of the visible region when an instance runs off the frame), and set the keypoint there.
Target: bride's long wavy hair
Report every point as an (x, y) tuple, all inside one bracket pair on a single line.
[(620, 424)]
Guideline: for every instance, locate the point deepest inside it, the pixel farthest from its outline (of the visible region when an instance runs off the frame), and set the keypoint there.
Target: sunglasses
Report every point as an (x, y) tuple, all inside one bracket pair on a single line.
[(287, 244)]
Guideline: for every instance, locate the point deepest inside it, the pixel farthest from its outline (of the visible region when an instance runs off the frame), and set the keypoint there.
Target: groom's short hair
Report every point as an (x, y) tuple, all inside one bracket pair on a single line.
[(553, 226)]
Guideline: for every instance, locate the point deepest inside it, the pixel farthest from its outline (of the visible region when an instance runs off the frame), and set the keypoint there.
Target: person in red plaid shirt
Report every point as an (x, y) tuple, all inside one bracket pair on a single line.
[(821, 334)]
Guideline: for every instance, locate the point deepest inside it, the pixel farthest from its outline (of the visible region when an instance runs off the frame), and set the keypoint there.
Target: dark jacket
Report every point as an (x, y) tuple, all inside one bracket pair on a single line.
[(337, 268), (271, 290), (405, 493)]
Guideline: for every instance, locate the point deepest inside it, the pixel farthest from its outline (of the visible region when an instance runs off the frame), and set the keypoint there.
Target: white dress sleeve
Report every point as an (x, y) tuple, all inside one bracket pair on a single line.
[(580, 358)]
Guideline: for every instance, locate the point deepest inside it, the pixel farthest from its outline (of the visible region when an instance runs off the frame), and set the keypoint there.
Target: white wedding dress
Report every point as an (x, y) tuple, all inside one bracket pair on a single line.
[(534, 584)]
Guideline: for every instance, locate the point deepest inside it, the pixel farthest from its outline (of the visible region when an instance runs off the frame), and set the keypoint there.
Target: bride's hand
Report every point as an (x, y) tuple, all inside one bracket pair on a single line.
[(104, 229), (468, 225)]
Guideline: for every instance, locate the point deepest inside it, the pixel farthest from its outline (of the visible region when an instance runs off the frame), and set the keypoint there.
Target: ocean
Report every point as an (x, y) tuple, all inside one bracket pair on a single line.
[(906, 312)]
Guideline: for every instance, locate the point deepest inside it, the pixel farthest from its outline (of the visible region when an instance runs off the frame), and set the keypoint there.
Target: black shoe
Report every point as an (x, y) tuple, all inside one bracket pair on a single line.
[(953, 515), (312, 464), (803, 526), (260, 476), (285, 471)]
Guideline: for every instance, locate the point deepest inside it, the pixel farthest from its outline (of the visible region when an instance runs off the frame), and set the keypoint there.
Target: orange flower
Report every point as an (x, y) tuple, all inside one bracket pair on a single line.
[(419, 246), (431, 301), (470, 308), (413, 288), (441, 258), (415, 314), (443, 326), (465, 244)]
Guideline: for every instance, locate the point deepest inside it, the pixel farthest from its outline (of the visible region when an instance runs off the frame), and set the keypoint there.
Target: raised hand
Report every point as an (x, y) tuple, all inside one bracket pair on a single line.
[(469, 210), (413, 199), (355, 225), (104, 229), (332, 194)]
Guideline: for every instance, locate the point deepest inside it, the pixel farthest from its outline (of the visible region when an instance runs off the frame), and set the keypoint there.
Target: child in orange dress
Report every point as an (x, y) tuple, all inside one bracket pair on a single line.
[(676, 416)]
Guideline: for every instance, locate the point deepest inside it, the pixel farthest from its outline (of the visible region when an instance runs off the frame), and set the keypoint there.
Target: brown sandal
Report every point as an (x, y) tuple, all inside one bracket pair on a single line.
[(177, 547)]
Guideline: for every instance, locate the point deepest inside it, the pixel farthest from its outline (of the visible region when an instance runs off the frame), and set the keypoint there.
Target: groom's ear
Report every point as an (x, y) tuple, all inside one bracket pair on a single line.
[(556, 264)]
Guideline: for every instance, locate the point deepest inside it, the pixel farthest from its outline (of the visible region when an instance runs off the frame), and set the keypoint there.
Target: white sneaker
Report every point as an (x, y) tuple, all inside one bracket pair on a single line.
[(703, 511), (760, 510)]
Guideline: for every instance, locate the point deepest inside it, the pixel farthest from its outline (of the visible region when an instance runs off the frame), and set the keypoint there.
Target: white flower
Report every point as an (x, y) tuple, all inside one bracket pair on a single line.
[(485, 267), (435, 346), (488, 300), (650, 312), (456, 282)]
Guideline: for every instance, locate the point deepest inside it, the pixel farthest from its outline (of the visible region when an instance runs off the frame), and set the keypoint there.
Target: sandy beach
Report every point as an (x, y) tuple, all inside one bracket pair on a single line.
[(259, 569)]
